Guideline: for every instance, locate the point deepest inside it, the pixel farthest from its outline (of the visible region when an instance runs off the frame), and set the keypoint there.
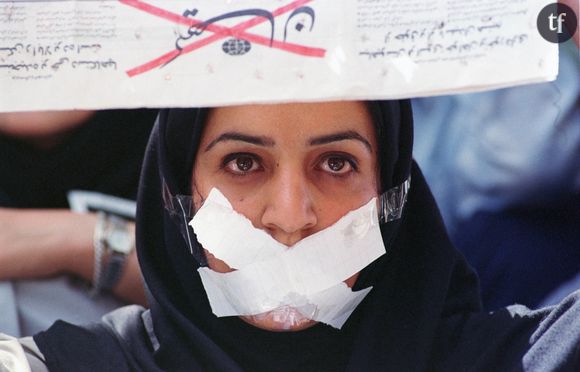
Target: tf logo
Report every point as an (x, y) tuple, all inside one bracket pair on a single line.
[(557, 23)]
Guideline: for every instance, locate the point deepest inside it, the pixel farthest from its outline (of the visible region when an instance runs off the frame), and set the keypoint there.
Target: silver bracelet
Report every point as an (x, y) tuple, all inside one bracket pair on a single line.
[(119, 242), (99, 248)]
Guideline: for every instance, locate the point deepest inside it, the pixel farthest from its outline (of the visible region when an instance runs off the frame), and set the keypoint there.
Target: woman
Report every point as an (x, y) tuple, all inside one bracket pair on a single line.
[(293, 170)]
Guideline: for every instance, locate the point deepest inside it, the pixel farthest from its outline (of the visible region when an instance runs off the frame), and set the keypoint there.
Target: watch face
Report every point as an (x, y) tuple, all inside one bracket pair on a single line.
[(120, 241)]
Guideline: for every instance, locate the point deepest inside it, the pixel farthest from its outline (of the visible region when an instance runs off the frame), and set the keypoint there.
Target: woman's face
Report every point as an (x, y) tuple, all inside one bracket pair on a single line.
[(291, 169)]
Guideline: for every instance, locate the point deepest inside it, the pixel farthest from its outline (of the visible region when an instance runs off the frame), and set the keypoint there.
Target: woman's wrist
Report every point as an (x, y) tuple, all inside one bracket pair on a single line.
[(76, 241), (40, 243), (113, 241)]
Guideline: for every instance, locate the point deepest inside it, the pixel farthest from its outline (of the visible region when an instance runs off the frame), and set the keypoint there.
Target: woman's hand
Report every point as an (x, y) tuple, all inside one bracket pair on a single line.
[(39, 243)]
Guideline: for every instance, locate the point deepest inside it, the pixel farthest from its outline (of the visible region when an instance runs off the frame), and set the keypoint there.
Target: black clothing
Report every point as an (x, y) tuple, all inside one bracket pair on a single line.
[(104, 154), (510, 250)]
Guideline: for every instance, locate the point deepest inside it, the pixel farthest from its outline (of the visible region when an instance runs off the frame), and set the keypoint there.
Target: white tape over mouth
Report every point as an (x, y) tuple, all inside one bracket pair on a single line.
[(308, 276)]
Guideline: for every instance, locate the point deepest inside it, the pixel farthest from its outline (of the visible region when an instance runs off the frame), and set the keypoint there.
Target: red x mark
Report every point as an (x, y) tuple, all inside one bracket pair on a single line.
[(219, 32)]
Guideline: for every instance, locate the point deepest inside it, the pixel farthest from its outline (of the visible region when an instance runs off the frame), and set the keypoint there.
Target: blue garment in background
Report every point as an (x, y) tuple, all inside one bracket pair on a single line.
[(504, 167), (522, 255), (493, 150)]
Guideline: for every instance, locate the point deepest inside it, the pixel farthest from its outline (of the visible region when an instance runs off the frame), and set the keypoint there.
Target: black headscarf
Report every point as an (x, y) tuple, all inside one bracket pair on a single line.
[(422, 314), (179, 306)]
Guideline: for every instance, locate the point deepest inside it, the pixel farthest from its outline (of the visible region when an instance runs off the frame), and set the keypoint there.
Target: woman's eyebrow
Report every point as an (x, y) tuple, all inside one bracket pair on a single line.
[(236, 136), (341, 136)]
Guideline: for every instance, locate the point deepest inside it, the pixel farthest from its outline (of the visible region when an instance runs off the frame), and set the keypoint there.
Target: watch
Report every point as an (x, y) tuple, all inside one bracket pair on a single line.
[(99, 251), (117, 241)]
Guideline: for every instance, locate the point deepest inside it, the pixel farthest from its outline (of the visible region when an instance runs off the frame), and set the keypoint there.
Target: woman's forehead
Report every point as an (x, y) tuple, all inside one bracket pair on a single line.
[(297, 120)]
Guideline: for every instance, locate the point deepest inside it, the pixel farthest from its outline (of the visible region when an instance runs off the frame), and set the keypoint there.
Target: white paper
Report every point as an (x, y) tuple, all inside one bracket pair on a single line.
[(132, 53)]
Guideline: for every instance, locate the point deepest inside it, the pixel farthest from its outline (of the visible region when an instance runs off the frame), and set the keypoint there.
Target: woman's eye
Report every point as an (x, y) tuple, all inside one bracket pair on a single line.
[(337, 165), (242, 164)]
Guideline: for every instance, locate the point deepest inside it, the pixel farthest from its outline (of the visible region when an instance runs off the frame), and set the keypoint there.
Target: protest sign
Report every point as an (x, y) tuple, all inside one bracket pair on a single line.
[(169, 53)]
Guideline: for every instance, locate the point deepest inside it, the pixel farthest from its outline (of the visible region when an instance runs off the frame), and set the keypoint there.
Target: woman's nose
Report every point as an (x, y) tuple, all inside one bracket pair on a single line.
[(289, 215)]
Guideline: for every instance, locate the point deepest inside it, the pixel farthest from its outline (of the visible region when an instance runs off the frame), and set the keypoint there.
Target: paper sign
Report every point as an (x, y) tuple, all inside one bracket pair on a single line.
[(174, 53)]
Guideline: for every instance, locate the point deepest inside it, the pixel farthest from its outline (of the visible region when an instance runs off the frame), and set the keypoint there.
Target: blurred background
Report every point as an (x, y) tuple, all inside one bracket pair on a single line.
[(504, 167)]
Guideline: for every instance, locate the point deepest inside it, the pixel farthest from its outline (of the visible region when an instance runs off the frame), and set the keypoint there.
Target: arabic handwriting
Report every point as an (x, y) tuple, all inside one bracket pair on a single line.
[(199, 28), (455, 47), (47, 49), (92, 65), (236, 45), (299, 26), (55, 66), (425, 31), (441, 32)]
